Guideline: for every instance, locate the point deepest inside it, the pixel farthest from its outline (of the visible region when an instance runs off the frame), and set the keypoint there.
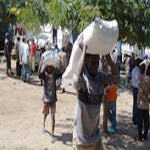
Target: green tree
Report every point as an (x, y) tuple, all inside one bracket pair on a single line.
[(10, 9), (132, 15)]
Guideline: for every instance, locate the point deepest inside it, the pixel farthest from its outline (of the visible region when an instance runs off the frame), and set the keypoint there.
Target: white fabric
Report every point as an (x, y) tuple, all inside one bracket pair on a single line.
[(24, 53), (50, 58), (136, 74), (100, 37)]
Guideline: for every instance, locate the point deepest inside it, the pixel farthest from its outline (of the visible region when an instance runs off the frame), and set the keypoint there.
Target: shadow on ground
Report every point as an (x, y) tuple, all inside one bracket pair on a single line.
[(125, 137)]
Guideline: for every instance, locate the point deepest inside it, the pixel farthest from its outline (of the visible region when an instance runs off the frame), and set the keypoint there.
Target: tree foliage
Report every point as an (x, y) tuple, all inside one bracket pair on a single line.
[(10, 9), (133, 16)]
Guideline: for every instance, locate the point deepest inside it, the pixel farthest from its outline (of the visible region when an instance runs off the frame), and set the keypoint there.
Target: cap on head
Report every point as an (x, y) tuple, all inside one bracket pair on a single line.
[(145, 56)]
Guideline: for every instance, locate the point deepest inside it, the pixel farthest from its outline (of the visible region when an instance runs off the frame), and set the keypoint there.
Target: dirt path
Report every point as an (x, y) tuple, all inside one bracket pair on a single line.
[(21, 119)]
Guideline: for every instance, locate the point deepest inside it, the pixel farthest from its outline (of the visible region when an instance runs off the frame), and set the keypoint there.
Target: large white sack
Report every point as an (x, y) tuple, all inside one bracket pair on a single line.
[(50, 58), (100, 37)]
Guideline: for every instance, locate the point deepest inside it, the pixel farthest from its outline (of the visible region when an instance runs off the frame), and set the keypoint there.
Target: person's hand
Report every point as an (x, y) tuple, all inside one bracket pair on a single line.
[(80, 42), (108, 58)]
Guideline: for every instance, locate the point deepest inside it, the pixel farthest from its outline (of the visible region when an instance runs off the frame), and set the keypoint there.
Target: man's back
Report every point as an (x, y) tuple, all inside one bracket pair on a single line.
[(25, 53)]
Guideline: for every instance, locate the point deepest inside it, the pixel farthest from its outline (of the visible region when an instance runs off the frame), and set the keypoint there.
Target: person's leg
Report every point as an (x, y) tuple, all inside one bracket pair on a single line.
[(23, 73), (135, 92), (146, 123), (140, 123), (19, 70), (113, 125), (28, 72), (53, 110), (33, 63), (7, 69), (45, 112), (109, 114)]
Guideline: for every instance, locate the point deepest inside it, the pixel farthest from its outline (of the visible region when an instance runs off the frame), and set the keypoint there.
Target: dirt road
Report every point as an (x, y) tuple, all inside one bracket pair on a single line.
[(21, 119)]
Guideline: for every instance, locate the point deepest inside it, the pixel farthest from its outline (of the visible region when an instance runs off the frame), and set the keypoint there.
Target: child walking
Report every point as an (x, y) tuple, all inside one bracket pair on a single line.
[(143, 103), (49, 76), (111, 110)]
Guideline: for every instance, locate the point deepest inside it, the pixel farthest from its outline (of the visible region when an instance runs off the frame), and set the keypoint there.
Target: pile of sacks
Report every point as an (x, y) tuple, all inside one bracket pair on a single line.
[(100, 37)]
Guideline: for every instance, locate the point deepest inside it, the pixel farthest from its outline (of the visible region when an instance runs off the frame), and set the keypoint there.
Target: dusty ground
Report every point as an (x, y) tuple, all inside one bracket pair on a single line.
[(21, 119)]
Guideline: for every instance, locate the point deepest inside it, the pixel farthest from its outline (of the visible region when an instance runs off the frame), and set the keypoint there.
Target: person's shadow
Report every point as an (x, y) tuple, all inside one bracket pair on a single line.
[(65, 138)]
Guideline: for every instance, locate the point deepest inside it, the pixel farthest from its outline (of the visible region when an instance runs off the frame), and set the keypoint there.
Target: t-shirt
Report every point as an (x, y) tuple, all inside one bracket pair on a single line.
[(25, 53), (87, 110), (49, 90), (112, 93), (33, 49)]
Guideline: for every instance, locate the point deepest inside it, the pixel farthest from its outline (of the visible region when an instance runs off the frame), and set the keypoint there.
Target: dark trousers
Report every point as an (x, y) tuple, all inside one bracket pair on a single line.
[(135, 93), (8, 64), (18, 69), (142, 118)]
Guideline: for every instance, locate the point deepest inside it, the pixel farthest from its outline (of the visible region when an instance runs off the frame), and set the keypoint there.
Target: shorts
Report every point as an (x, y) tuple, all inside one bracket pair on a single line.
[(76, 146), (48, 106)]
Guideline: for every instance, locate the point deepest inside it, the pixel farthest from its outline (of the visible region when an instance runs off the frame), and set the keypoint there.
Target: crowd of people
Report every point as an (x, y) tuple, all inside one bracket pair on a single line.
[(94, 84)]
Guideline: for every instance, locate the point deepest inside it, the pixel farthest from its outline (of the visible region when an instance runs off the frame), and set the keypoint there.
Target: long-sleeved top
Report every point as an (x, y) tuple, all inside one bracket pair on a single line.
[(87, 110), (24, 53), (143, 92), (135, 75)]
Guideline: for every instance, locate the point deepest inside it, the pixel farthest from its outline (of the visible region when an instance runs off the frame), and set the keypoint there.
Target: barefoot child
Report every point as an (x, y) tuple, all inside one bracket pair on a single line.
[(49, 75)]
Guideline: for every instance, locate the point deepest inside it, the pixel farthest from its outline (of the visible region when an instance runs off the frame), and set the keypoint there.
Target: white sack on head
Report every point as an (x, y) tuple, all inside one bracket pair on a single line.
[(50, 58), (100, 37)]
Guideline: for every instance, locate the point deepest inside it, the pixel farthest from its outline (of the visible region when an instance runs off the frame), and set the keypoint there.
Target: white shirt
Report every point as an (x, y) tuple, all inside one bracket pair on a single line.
[(25, 53), (135, 74)]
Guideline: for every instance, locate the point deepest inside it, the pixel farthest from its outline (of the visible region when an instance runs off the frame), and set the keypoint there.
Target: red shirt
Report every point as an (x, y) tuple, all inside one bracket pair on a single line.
[(32, 49)]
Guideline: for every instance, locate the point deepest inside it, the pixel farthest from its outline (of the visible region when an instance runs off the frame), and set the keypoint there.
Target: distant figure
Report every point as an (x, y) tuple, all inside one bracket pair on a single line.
[(49, 76), (146, 62), (64, 62), (7, 52), (25, 61), (69, 50), (135, 74), (18, 57), (57, 50), (54, 35), (118, 64), (32, 54), (143, 103), (131, 63)]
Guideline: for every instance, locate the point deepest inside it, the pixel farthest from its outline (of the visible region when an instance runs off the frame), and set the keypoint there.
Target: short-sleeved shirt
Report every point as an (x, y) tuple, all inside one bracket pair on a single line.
[(49, 90), (143, 92), (87, 110)]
